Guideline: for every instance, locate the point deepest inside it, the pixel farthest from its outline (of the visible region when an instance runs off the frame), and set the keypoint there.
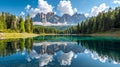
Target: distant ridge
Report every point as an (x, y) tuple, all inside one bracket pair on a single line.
[(51, 18)]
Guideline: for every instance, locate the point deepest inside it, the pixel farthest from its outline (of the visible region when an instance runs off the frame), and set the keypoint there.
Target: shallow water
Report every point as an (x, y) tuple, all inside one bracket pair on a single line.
[(60, 51)]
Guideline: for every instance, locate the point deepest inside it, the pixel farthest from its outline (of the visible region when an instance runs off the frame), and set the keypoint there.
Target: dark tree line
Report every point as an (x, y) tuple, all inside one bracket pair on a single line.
[(44, 29), (105, 21), (10, 23), (71, 30)]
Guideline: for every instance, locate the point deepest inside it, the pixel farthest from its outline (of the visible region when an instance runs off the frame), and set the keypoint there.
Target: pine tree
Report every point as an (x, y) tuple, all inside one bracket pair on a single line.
[(21, 25), (78, 28), (28, 24), (2, 22)]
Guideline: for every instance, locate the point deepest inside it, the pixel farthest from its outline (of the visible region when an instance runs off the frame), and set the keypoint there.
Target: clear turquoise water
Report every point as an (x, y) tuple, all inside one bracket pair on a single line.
[(60, 51)]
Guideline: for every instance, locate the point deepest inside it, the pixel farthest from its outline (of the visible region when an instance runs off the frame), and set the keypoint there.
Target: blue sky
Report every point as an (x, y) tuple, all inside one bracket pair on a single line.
[(88, 7)]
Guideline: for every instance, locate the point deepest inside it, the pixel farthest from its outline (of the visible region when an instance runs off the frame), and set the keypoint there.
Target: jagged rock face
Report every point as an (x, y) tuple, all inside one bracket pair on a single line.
[(40, 17), (65, 18), (78, 17), (52, 18), (37, 18)]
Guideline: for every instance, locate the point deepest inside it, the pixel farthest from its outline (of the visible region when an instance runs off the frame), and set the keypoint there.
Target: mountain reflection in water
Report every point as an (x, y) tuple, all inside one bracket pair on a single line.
[(57, 51)]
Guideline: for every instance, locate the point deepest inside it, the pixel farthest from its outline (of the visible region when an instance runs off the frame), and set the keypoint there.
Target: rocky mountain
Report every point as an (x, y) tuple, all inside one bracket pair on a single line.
[(53, 18), (40, 17)]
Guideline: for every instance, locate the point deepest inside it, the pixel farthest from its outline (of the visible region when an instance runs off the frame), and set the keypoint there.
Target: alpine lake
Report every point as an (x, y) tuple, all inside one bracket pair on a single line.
[(60, 51)]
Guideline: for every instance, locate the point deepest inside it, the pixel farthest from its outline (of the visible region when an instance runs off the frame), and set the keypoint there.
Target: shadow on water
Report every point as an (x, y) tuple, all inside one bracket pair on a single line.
[(57, 51)]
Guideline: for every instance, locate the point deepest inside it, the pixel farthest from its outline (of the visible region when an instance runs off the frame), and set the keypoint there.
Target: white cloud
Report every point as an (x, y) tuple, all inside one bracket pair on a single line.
[(116, 1), (95, 56), (75, 56), (86, 51), (97, 9), (65, 7), (43, 6), (86, 14), (27, 7), (115, 62), (34, 55), (34, 11), (22, 13), (51, 24), (66, 58), (75, 10), (45, 59)]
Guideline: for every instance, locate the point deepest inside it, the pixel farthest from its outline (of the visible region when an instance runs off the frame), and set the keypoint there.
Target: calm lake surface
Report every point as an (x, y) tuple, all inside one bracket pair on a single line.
[(60, 51)]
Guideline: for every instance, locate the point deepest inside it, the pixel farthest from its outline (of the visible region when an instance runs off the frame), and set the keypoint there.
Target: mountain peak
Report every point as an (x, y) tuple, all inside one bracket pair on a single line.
[(54, 19)]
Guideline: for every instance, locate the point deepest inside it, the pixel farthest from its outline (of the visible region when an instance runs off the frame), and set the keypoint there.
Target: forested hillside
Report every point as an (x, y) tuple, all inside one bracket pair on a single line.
[(12, 23), (105, 21)]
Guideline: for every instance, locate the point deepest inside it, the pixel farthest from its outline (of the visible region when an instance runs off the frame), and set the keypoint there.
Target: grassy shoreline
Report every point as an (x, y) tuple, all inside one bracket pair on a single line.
[(16, 35), (26, 35)]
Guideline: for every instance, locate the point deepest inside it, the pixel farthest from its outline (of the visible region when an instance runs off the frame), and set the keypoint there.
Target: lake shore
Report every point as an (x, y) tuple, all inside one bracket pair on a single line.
[(114, 35), (26, 35), (96, 34), (16, 35)]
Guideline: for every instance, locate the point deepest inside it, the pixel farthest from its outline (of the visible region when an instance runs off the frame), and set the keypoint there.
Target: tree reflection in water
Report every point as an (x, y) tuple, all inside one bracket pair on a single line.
[(103, 50), (11, 46), (47, 50)]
